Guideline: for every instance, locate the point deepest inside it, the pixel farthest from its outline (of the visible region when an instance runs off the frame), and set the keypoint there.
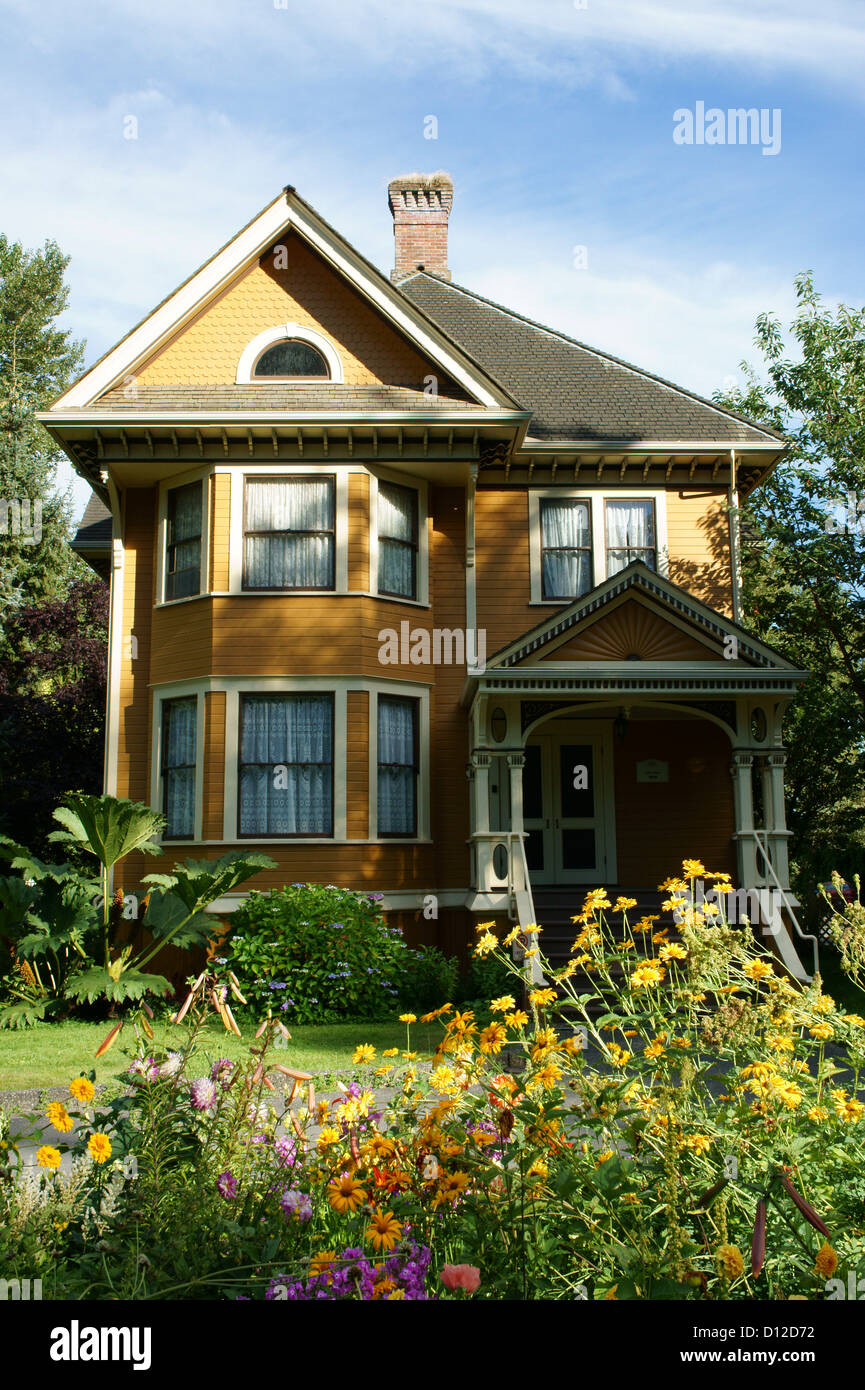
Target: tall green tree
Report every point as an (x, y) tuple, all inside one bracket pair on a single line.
[(37, 360), (803, 563)]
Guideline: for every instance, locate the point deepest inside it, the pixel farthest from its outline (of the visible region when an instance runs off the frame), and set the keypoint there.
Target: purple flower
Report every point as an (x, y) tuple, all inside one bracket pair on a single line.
[(203, 1093), (222, 1071), (354, 1276), (226, 1184), (297, 1204), (146, 1067), (286, 1151)]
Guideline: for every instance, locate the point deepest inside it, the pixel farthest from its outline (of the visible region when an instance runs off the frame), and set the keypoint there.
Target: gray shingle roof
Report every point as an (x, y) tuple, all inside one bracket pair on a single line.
[(281, 397), (575, 392), (94, 528)]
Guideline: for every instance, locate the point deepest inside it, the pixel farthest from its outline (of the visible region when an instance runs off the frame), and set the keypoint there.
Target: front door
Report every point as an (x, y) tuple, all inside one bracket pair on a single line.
[(567, 805)]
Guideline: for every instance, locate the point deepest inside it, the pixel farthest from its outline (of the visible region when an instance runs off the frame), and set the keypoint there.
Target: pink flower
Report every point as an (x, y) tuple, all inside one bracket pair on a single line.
[(466, 1277)]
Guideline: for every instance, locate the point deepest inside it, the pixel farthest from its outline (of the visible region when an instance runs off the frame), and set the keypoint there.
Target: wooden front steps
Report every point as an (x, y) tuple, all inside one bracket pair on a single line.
[(555, 906)]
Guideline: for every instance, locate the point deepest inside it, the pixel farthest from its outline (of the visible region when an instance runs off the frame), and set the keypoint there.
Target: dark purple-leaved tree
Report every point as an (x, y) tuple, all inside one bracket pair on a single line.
[(52, 708)]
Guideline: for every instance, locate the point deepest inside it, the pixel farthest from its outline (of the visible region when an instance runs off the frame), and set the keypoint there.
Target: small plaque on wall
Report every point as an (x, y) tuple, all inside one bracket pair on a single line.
[(653, 770)]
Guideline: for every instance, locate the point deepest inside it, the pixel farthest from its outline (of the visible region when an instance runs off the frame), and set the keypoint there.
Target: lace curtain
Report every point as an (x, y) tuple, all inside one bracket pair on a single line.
[(289, 557), (397, 774), (286, 772), (178, 767)]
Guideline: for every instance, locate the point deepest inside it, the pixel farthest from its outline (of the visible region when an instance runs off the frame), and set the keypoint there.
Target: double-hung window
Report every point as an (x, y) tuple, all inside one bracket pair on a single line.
[(289, 539), (286, 765), (183, 513), (566, 547), (630, 533), (397, 766), (397, 540), (178, 745)]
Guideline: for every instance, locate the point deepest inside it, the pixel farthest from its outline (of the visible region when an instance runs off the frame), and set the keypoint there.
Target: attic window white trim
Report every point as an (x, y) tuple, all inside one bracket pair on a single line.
[(270, 336)]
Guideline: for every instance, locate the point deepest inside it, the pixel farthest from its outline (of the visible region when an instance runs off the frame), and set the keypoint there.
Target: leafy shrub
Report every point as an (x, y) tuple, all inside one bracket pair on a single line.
[(432, 979), (318, 954)]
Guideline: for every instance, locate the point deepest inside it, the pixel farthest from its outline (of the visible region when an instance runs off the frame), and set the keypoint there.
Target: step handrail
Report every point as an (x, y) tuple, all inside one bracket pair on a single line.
[(762, 839), (521, 905)]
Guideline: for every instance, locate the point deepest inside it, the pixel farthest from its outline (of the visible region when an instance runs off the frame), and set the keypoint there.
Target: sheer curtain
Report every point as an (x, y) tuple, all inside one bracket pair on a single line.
[(286, 765), (397, 530), (289, 557), (397, 774), (178, 767), (566, 556), (630, 534)]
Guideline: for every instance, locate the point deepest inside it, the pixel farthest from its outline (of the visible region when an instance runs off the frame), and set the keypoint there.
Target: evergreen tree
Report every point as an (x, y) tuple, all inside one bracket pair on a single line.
[(37, 360)]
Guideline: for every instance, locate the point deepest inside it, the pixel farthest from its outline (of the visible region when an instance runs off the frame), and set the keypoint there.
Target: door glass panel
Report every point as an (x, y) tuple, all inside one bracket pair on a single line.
[(534, 844), (578, 849), (577, 802), (533, 795)]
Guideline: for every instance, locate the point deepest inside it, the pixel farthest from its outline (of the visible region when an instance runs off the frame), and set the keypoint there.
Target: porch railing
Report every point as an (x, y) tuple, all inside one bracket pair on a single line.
[(521, 905), (779, 932)]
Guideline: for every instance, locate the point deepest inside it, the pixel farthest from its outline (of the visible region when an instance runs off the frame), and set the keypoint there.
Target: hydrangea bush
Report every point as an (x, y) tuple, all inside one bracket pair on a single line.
[(315, 954)]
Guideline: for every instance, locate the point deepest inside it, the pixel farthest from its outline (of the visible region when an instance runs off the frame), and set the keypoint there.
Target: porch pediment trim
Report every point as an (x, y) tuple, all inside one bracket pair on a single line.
[(658, 595)]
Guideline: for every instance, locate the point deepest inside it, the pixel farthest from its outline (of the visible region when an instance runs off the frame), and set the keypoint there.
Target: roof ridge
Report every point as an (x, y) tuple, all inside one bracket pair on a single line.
[(598, 352)]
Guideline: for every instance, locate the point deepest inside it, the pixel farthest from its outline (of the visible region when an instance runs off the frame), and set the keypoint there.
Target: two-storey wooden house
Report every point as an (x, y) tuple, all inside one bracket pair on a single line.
[(417, 595)]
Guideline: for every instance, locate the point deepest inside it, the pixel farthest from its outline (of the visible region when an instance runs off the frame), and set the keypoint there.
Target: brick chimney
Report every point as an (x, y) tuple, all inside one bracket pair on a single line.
[(421, 205)]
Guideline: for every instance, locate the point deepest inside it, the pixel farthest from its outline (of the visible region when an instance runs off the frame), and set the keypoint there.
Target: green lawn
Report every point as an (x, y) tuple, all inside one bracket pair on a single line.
[(50, 1054)]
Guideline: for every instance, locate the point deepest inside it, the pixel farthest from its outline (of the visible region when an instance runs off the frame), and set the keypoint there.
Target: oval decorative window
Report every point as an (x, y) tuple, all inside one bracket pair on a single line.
[(499, 725), (291, 358), (758, 725)]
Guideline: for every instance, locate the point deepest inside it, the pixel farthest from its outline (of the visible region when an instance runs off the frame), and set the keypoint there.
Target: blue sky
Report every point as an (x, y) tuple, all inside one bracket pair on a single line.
[(555, 121)]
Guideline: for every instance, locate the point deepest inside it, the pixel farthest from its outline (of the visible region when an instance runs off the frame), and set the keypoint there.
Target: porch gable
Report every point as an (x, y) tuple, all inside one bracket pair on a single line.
[(638, 615)]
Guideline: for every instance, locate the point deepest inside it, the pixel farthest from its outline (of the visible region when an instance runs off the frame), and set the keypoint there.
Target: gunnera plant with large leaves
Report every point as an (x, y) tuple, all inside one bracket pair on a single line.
[(64, 932)]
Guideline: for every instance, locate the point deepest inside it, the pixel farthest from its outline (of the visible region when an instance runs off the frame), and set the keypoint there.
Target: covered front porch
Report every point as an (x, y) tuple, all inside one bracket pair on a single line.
[(588, 772)]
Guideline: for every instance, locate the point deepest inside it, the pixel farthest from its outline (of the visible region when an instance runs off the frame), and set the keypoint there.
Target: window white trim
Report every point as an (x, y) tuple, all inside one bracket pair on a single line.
[(340, 538), (182, 480), (596, 499), (182, 690), (269, 336), (420, 485)]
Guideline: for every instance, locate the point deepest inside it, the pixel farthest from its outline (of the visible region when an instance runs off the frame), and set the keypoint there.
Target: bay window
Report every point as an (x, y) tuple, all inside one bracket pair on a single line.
[(397, 540), (183, 513), (288, 533), (285, 784), (178, 745), (397, 766)]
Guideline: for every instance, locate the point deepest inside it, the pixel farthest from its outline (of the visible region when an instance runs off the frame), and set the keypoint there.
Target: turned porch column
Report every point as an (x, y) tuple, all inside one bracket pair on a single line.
[(743, 806), (775, 821)]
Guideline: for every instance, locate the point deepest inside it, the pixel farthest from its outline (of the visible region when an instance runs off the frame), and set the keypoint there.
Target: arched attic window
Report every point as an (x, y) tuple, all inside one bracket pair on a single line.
[(289, 360), (290, 352)]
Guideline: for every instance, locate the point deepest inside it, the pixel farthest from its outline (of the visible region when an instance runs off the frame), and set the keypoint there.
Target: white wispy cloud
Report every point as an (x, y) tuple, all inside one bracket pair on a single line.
[(826, 40)]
